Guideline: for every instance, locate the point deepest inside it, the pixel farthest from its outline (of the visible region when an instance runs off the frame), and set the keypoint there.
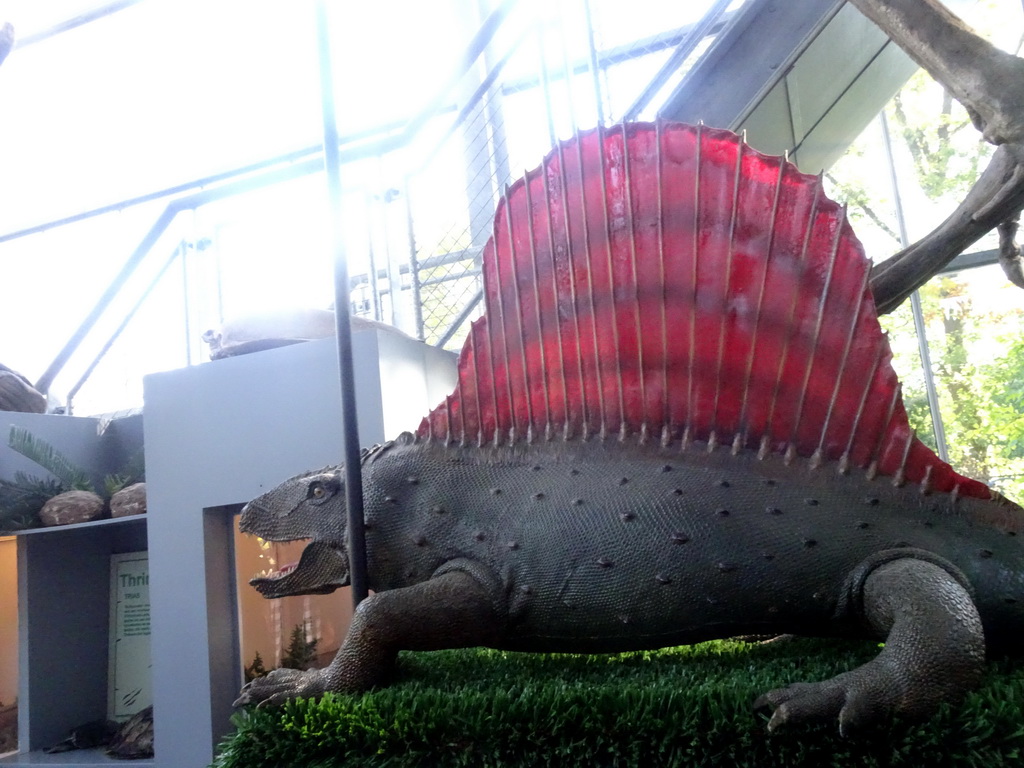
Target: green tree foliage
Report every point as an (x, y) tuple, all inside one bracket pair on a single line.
[(973, 336), (301, 652), (256, 669), (975, 360), (1008, 400), (947, 152)]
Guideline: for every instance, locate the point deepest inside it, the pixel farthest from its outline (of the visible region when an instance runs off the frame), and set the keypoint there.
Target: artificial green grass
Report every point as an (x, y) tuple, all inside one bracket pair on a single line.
[(687, 706)]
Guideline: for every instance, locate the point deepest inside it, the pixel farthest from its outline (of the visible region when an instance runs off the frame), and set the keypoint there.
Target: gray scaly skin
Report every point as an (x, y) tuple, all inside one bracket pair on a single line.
[(604, 546)]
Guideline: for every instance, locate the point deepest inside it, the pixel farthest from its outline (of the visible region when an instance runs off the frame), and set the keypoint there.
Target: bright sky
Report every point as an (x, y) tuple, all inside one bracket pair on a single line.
[(171, 90)]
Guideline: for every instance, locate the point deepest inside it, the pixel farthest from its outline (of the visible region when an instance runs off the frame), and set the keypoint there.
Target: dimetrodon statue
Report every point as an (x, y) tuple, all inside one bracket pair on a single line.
[(676, 420)]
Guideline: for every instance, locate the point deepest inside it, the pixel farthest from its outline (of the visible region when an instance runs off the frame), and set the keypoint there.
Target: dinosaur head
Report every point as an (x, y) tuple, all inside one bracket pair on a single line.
[(307, 507)]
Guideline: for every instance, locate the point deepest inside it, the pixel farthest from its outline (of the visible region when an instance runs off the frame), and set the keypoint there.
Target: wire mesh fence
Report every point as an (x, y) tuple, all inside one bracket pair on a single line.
[(545, 71), (500, 83)]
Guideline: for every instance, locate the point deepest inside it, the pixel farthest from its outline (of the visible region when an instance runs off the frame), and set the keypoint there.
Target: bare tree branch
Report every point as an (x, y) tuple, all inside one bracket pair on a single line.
[(990, 85), (998, 196), (858, 199), (986, 80), (1010, 258)]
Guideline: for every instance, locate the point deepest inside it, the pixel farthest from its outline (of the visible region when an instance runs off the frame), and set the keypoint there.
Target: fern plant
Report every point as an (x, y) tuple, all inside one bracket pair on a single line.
[(71, 478), (23, 497)]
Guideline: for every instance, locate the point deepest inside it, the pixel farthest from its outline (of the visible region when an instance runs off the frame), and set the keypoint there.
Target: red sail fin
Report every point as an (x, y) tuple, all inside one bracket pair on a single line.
[(667, 280)]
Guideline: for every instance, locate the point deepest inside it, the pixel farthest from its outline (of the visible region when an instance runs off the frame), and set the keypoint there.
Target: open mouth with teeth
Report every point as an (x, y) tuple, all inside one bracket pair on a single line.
[(272, 574), (321, 570)]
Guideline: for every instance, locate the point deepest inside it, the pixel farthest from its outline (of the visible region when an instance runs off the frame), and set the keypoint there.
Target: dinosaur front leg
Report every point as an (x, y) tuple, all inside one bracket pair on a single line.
[(453, 610), (934, 652)]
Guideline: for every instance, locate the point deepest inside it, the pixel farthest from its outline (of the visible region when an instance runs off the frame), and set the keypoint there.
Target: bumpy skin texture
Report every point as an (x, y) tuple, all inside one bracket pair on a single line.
[(607, 546), (934, 651)]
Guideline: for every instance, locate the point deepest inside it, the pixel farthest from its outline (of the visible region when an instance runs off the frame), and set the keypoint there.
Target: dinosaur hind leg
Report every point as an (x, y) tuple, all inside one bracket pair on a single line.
[(934, 652)]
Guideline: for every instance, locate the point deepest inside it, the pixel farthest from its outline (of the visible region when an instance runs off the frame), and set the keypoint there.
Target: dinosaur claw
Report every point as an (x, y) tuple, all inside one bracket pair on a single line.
[(856, 713), (279, 686), (774, 704), (761, 705), (778, 719), (801, 702)]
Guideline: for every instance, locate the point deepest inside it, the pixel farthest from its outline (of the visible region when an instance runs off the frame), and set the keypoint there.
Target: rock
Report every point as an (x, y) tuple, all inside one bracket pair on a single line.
[(17, 394), (269, 330), (253, 333), (129, 501), (134, 739), (71, 507), (96, 733), (131, 740)]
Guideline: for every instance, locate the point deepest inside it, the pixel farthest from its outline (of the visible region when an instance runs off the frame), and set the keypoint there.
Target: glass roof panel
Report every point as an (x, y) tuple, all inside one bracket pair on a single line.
[(153, 94)]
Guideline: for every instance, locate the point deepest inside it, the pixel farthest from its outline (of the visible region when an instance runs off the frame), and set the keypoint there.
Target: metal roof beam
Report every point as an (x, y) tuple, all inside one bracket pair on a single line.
[(748, 59)]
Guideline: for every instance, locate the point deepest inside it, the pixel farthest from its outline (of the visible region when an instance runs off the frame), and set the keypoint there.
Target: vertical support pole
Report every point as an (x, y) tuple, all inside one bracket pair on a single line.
[(595, 66), (186, 309), (371, 253), (567, 68), (392, 255), (414, 262), (545, 75), (915, 304), (343, 320)]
